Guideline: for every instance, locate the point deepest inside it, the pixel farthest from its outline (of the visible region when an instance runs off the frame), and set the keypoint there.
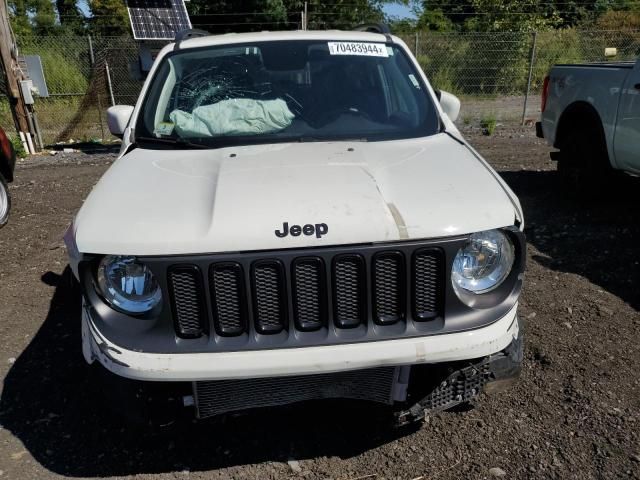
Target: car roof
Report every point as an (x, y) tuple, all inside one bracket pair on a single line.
[(231, 38)]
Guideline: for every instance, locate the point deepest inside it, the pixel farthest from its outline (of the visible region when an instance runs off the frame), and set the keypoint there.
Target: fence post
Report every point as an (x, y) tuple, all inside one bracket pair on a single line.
[(106, 68), (416, 48), (531, 62), (91, 57)]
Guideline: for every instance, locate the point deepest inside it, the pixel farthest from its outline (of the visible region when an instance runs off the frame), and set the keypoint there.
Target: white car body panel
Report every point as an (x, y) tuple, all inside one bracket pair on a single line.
[(297, 361), (609, 89), (206, 201)]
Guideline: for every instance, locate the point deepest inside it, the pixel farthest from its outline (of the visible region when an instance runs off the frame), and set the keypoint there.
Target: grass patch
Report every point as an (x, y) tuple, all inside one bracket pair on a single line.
[(488, 124)]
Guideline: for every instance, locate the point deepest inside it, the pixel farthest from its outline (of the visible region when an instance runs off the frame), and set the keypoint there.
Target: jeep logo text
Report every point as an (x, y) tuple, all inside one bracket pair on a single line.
[(319, 229)]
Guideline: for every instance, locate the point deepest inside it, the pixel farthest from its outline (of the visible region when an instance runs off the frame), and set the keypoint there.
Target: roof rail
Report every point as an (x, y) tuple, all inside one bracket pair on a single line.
[(187, 34), (382, 28)]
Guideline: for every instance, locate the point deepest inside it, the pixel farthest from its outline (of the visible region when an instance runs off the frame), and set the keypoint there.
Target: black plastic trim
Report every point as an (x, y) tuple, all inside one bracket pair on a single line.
[(362, 290), (378, 317), (200, 296), (282, 297), (239, 272), (439, 255), (322, 288)]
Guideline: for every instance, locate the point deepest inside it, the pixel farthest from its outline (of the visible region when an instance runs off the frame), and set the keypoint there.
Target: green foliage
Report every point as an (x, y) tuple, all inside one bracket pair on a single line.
[(435, 21), (18, 147), (223, 16), (488, 124), (109, 17)]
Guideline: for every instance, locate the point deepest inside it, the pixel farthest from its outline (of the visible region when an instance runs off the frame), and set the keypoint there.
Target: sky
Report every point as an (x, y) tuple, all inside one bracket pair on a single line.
[(398, 10)]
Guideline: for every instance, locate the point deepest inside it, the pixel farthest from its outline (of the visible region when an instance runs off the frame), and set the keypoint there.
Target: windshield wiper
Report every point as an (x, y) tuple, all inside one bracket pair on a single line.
[(180, 142)]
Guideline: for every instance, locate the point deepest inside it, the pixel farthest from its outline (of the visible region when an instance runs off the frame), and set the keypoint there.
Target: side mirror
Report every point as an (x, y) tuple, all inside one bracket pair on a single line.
[(118, 118), (450, 104)]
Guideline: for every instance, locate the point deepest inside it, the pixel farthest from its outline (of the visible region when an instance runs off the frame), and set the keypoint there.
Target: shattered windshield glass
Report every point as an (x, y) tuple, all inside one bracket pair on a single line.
[(287, 91)]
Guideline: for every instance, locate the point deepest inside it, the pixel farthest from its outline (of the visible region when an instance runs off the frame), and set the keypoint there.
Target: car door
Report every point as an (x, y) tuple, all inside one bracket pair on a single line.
[(627, 133)]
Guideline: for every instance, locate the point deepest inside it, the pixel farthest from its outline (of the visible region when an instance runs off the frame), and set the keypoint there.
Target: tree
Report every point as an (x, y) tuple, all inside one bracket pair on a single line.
[(505, 15), (43, 17), (19, 19), (71, 18), (255, 15), (109, 17)]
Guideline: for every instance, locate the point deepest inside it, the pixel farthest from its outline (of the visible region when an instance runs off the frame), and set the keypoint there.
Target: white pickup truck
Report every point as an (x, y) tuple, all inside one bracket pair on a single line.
[(591, 113), (294, 216)]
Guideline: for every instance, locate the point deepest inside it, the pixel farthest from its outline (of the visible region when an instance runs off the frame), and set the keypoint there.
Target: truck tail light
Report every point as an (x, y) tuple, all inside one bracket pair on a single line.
[(545, 93)]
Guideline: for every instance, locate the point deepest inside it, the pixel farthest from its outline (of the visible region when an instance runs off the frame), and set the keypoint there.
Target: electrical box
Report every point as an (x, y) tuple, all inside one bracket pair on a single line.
[(36, 74), (27, 86)]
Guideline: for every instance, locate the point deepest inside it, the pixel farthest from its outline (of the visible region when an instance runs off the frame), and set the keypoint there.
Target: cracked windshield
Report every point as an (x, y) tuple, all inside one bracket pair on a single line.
[(286, 91)]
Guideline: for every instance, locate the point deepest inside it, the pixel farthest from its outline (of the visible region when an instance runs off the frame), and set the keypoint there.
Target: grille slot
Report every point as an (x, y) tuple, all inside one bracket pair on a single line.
[(388, 287), (187, 300), (269, 296), (309, 298), (228, 298), (427, 288), (349, 291)]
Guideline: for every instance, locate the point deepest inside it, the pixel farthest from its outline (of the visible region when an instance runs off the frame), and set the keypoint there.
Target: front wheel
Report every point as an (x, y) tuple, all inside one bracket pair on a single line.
[(5, 202)]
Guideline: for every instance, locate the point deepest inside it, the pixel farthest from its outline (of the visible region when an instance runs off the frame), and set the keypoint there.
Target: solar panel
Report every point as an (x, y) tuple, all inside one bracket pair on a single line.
[(157, 19)]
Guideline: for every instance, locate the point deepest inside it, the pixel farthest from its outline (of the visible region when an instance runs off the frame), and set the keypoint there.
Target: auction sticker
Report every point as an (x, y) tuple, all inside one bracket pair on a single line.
[(164, 128), (358, 48)]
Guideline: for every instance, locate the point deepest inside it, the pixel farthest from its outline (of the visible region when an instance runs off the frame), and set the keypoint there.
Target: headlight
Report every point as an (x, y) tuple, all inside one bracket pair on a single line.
[(483, 263), (128, 285)]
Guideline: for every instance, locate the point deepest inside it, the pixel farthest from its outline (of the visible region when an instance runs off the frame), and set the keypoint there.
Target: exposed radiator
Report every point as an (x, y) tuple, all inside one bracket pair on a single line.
[(382, 385)]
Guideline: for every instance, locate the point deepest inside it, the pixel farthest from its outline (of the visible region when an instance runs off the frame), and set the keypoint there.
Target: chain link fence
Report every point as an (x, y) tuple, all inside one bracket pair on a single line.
[(496, 75), (500, 75)]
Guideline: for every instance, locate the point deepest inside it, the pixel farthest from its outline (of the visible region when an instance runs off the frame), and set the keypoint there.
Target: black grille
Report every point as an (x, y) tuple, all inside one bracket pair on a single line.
[(308, 293), (269, 296), (185, 287), (216, 397), (349, 290), (228, 298), (427, 270), (254, 296), (388, 287)]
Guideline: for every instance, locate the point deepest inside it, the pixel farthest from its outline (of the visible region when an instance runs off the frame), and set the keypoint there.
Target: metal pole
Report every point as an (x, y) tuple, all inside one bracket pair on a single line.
[(106, 68), (416, 48), (32, 128), (306, 16), (92, 59), (531, 62), (37, 126)]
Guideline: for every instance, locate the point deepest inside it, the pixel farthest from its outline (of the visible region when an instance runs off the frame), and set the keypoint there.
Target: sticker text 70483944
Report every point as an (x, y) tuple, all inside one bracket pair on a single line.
[(358, 48)]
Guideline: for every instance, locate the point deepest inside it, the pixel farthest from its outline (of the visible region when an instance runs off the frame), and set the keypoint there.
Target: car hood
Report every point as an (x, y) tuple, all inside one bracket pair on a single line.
[(162, 202)]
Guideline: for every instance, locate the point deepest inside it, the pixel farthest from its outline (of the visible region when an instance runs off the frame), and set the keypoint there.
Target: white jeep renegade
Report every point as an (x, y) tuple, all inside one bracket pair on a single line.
[(294, 216)]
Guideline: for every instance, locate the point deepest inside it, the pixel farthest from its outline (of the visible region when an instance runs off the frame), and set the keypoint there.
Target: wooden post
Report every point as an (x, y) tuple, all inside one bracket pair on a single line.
[(13, 74)]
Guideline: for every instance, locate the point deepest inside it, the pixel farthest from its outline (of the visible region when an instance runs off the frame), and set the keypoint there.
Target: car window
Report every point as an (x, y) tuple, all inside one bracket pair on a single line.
[(287, 91)]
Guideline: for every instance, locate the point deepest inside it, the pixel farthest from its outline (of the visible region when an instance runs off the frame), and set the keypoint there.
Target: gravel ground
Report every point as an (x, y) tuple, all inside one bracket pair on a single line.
[(574, 413)]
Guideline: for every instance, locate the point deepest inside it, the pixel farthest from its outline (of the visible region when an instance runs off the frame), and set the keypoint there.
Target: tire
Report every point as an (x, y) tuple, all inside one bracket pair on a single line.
[(5, 202), (584, 163)]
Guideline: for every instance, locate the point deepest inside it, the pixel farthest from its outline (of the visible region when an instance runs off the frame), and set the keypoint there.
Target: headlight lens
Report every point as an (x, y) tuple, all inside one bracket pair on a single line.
[(128, 285), (483, 263)]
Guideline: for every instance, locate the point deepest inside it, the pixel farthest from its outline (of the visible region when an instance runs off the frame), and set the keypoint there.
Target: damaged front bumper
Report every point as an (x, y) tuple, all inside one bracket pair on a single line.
[(190, 367), (489, 374)]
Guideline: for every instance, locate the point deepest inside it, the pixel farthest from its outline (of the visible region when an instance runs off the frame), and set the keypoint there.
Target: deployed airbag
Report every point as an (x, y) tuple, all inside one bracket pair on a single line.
[(241, 116)]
